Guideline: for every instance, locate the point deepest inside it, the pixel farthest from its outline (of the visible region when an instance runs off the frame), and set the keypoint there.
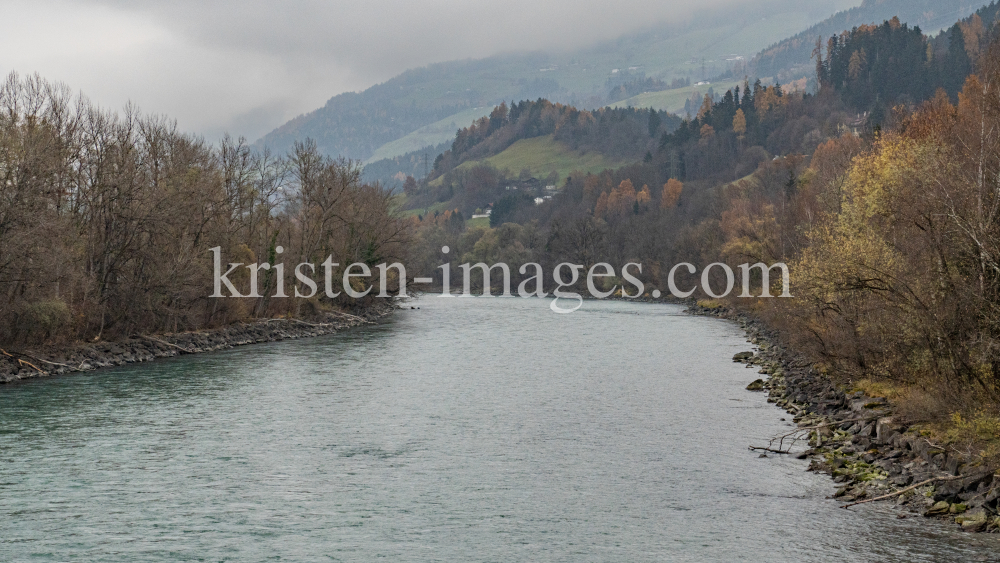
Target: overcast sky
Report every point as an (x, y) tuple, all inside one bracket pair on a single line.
[(247, 66)]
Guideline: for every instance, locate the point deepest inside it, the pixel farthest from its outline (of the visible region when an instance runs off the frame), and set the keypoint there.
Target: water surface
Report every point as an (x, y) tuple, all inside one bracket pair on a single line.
[(469, 430)]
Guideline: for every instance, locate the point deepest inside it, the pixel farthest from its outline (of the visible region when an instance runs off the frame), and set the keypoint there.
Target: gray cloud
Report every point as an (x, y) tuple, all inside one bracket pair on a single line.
[(250, 65)]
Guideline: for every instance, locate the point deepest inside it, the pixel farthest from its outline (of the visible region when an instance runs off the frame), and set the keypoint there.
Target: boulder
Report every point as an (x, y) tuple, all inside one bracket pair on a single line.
[(973, 520), (948, 490), (952, 464), (973, 483), (756, 385), (884, 430), (940, 508), (902, 480), (992, 496)]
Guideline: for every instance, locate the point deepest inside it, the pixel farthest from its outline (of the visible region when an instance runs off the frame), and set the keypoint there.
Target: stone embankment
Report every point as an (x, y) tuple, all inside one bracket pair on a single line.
[(17, 364), (857, 440)]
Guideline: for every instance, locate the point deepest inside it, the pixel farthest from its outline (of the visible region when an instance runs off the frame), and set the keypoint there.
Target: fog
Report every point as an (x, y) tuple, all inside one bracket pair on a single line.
[(246, 67)]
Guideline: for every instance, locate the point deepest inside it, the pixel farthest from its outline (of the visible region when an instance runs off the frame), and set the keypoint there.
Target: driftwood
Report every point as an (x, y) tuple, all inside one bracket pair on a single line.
[(320, 325), (317, 325), (355, 317), (23, 362), (901, 491), (165, 343), (50, 363), (795, 436)]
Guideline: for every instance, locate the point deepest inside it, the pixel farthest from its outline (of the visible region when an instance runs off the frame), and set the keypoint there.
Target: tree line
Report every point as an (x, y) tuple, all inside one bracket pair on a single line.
[(106, 219)]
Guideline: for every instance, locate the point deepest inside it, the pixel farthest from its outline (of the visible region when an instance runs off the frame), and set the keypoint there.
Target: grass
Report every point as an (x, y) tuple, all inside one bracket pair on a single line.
[(885, 389), (478, 222), (976, 431), (672, 100), (433, 134), (544, 155), (441, 207)]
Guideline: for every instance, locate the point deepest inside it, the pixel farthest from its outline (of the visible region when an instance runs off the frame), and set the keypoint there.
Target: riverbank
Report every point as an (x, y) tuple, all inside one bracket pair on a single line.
[(16, 365), (856, 439)]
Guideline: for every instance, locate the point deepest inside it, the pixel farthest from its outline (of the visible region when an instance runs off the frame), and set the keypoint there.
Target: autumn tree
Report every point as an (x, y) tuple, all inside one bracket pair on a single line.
[(671, 194), (740, 124)]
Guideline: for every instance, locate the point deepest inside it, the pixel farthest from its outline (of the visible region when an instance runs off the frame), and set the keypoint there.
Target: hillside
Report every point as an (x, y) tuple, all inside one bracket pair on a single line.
[(544, 156), (673, 100), (789, 59), (440, 131), (531, 145), (357, 125), (392, 172)]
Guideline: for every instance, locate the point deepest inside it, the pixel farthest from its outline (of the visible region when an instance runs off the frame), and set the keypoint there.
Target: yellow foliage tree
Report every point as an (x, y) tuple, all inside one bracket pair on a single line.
[(601, 207), (671, 193), (740, 123), (622, 199), (767, 101), (706, 106), (643, 197)]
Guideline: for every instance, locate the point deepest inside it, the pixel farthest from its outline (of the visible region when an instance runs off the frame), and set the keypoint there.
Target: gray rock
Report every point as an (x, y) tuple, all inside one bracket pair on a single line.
[(952, 464), (903, 480)]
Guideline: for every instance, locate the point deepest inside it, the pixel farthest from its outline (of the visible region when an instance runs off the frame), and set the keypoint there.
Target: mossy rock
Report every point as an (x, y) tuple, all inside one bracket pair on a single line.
[(756, 385), (939, 509), (973, 521)]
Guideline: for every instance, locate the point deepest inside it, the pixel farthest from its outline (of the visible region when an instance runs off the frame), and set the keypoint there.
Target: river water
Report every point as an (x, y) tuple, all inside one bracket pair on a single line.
[(471, 429)]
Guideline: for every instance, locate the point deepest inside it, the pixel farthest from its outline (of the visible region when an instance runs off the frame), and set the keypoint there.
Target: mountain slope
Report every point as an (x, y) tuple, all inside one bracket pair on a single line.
[(356, 125), (789, 59)]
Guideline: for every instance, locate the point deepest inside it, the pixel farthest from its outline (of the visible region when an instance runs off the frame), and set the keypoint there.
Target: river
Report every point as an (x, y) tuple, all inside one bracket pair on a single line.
[(470, 429)]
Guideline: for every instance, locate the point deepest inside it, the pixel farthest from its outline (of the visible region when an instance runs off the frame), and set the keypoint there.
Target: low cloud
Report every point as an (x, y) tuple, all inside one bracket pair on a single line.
[(248, 66)]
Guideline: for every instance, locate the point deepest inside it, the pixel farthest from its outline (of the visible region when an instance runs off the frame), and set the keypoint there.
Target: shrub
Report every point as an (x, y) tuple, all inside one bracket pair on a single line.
[(45, 320)]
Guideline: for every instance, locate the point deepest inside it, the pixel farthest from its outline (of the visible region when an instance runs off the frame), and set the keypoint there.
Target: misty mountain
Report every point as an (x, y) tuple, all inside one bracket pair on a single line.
[(356, 124)]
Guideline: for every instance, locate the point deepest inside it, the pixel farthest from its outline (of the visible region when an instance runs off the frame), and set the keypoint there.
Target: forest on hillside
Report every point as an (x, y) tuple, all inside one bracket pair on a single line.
[(620, 134), (790, 59)]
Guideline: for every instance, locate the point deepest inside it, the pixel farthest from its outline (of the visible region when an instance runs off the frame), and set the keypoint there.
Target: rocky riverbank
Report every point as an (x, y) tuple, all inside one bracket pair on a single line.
[(16, 365), (857, 440)]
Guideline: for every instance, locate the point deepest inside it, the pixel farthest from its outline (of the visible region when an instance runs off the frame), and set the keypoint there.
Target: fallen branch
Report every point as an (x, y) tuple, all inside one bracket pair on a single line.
[(27, 363), (758, 448), (165, 343), (348, 315), (901, 491), (798, 434), (43, 361), (321, 325), (351, 316), (21, 362)]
